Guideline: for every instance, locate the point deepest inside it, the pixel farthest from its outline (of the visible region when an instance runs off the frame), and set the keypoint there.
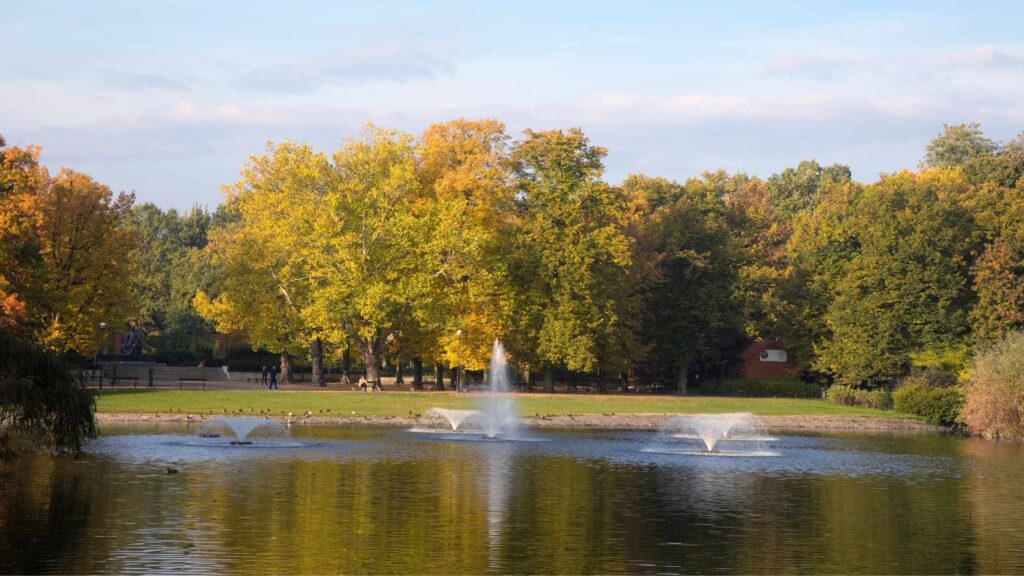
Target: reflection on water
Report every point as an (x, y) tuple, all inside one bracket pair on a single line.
[(361, 499)]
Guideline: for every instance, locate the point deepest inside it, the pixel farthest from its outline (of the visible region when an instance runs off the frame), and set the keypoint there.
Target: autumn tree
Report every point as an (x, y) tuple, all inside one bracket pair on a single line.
[(86, 262), (364, 245), (21, 180), (465, 210), (998, 280), (266, 288)]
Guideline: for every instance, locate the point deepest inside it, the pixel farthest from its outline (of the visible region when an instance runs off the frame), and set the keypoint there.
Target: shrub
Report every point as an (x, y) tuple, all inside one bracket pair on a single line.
[(994, 399), (880, 398), (764, 388), (935, 404)]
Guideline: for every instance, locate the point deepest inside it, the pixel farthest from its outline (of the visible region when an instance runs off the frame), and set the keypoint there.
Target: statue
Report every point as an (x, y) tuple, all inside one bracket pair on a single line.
[(131, 345)]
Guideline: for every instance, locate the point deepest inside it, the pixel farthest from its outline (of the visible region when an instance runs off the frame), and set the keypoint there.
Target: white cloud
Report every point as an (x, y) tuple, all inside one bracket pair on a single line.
[(360, 65), (141, 81), (811, 66), (990, 56), (692, 108)]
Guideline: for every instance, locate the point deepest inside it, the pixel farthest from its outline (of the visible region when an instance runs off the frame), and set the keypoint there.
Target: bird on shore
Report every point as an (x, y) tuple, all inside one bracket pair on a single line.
[(172, 471)]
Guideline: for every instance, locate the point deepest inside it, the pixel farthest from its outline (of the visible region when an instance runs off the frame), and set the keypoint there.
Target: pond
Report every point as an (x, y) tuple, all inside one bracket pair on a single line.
[(157, 498)]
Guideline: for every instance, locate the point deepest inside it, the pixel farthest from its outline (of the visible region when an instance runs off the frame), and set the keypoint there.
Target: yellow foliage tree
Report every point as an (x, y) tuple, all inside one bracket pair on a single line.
[(364, 244), (267, 282), (466, 209)]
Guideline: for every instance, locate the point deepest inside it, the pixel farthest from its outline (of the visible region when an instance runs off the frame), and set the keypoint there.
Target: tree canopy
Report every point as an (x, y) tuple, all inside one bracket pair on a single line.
[(427, 249)]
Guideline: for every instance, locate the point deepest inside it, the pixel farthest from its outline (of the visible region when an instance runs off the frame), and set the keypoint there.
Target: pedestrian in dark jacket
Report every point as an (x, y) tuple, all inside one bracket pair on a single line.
[(273, 378)]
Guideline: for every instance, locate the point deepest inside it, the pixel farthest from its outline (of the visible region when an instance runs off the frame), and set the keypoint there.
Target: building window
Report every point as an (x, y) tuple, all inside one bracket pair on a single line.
[(773, 355)]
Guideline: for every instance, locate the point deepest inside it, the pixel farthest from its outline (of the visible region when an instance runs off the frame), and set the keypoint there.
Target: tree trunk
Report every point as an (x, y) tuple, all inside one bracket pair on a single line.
[(439, 376), (286, 367), (346, 364), (399, 378), (417, 373), (316, 351), (549, 380)]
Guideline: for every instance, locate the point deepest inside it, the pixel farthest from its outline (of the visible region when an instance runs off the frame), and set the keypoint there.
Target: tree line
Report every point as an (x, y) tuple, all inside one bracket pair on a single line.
[(423, 250)]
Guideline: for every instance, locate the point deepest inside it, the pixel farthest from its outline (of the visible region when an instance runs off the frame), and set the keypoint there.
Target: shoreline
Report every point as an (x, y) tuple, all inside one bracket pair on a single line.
[(595, 421)]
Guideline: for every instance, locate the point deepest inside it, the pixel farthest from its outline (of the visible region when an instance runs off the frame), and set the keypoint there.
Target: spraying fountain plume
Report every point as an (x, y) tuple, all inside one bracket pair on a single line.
[(455, 418), (497, 407), (241, 429), (741, 431), (495, 416)]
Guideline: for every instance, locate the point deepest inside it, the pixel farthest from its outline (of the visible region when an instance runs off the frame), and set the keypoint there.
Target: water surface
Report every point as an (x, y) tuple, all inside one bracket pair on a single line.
[(379, 500)]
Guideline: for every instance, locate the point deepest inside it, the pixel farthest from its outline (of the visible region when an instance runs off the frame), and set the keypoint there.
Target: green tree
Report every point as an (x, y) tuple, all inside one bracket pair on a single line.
[(957, 145), (796, 189), (691, 313), (904, 290), (572, 257), (172, 269)]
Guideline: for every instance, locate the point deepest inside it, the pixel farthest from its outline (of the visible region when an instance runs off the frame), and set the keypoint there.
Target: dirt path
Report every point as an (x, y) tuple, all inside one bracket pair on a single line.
[(600, 421)]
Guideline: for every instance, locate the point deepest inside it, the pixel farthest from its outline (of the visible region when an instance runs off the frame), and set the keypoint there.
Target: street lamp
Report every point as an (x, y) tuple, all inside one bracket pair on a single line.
[(103, 331), (458, 366)]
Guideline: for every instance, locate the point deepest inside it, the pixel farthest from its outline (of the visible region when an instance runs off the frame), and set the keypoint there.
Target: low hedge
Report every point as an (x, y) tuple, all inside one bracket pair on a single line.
[(936, 405), (880, 398), (763, 388)]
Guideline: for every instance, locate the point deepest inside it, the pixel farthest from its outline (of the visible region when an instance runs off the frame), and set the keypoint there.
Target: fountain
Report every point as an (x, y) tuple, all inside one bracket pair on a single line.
[(455, 418), (497, 407), (495, 417), (241, 429), (742, 432)]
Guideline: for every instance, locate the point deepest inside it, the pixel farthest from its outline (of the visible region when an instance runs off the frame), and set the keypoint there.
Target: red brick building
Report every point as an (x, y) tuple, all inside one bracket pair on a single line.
[(761, 359)]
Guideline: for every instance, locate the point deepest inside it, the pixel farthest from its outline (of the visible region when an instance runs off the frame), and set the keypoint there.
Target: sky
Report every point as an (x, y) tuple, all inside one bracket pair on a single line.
[(169, 99)]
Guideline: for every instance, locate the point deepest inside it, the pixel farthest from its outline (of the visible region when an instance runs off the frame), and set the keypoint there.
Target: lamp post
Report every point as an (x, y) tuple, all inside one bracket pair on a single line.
[(458, 365), (103, 331)]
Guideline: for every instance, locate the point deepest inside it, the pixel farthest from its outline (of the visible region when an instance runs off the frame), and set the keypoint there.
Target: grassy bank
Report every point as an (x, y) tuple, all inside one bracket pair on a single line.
[(406, 403)]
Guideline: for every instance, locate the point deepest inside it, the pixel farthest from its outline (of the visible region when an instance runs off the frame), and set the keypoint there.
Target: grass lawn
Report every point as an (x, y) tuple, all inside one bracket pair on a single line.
[(406, 403)]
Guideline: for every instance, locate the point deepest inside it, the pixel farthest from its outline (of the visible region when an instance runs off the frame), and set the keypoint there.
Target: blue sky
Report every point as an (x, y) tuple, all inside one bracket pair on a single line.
[(169, 99)]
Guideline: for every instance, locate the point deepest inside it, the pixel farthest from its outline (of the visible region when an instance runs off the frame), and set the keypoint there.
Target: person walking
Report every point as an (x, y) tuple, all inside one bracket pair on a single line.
[(263, 382), (273, 378)]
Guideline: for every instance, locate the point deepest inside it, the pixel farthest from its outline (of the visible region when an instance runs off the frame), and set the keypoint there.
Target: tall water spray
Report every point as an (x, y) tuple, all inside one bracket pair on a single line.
[(497, 407)]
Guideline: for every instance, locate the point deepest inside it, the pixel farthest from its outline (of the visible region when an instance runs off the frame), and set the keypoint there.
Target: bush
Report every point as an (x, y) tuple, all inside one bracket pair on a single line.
[(40, 399), (880, 398), (935, 404), (763, 388), (994, 398)]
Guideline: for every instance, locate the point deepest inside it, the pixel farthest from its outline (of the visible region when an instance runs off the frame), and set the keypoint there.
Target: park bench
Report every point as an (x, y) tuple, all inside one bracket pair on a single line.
[(133, 379), (183, 381)]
